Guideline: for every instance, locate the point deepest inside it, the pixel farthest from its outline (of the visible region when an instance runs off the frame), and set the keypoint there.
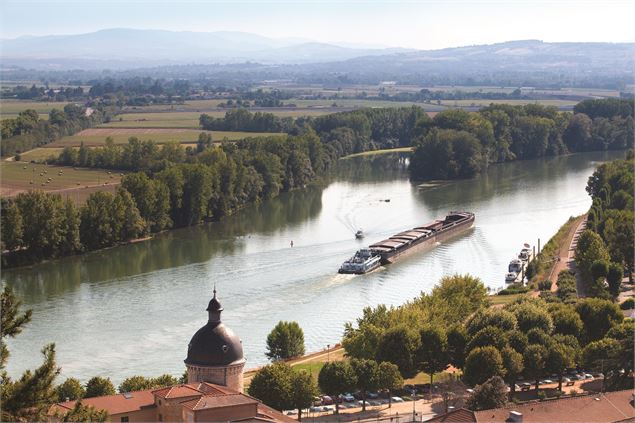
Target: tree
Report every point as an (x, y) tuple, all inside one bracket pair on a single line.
[(589, 249), (70, 228), (389, 378), (27, 397), (272, 385), (490, 335), (481, 364), (560, 357), (530, 315), (565, 320), (614, 278), (286, 340), (366, 377), (70, 390), (598, 317), (135, 383), (432, 355), (98, 387), (534, 359), (491, 394), (84, 413), (336, 378), (514, 366), (11, 221), (398, 345), (303, 390), (165, 380), (457, 340), (12, 321), (491, 317)]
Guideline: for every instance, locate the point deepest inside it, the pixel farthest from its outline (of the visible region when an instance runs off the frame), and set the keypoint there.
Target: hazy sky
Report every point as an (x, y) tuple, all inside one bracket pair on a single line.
[(415, 24)]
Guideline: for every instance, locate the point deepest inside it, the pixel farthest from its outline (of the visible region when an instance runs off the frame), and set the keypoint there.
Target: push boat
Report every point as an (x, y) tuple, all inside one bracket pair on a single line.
[(399, 245), (362, 262)]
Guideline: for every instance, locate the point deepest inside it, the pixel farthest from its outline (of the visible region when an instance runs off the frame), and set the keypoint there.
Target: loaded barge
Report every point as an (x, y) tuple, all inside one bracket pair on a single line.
[(403, 243)]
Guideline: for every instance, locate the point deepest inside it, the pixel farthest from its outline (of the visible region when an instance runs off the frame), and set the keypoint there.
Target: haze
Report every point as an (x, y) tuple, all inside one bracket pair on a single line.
[(420, 25)]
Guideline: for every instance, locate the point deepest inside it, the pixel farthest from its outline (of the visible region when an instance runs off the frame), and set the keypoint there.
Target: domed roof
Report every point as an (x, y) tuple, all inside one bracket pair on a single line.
[(214, 344)]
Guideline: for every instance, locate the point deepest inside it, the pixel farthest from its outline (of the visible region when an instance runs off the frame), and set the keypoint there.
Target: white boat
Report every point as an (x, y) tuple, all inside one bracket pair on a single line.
[(359, 234), (511, 277)]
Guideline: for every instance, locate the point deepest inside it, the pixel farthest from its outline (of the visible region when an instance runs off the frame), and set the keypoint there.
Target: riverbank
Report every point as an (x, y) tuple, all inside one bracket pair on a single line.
[(376, 152)]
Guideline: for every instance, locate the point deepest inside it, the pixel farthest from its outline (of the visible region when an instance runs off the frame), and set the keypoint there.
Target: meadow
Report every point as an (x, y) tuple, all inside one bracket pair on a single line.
[(21, 176), (42, 153), (11, 108)]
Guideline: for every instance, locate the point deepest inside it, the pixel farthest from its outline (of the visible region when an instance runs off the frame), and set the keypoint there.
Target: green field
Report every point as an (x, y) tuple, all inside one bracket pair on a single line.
[(96, 137), (483, 103), (384, 151), (155, 120), (21, 176), (13, 107)]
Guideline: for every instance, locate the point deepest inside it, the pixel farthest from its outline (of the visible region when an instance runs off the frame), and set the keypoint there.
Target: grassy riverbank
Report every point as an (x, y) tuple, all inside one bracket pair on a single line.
[(384, 151)]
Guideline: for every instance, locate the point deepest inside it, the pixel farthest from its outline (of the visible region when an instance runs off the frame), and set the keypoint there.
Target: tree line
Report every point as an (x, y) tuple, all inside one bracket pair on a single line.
[(457, 144), (28, 130), (605, 250), (170, 190)]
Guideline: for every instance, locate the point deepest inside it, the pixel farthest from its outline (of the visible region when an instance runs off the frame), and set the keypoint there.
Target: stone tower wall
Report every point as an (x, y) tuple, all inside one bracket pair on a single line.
[(230, 376)]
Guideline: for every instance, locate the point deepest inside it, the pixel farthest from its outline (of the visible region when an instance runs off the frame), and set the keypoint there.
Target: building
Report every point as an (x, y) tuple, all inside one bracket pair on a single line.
[(215, 353), (214, 391), (192, 402), (598, 408)]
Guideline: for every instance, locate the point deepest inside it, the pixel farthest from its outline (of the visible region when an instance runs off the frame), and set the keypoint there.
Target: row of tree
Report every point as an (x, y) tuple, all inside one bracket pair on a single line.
[(281, 387), (606, 249), (243, 120), (28, 130)]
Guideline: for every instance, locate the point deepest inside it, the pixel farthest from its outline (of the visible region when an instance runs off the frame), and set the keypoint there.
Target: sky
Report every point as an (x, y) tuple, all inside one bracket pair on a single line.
[(411, 24)]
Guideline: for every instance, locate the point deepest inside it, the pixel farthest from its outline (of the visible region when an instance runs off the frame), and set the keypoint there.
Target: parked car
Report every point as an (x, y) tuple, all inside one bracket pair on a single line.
[(588, 376), (326, 400), (328, 408), (546, 382), (291, 413), (348, 397), (317, 401), (397, 399), (315, 409), (374, 402), (372, 395), (598, 375)]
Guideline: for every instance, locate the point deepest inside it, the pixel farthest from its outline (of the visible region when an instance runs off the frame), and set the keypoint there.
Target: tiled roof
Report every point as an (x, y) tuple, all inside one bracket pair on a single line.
[(214, 401), (177, 391), (462, 415), (598, 408), (115, 404)]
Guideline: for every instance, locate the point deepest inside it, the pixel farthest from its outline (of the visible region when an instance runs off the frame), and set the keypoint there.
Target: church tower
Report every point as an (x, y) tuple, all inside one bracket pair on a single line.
[(215, 353)]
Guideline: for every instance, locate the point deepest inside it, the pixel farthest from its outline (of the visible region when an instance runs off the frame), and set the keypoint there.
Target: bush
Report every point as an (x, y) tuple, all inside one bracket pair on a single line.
[(515, 288), (17, 157), (628, 304), (544, 285)]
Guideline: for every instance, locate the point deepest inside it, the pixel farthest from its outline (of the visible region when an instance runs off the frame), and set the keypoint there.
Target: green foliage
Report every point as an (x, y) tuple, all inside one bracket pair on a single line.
[(565, 320), (531, 315), (513, 365), (598, 317), (488, 336), (135, 383), (432, 355), (399, 345), (614, 278), (272, 385), (566, 283), (70, 390), (491, 317), (366, 376), (481, 364), (98, 386), (457, 342), (28, 397), (335, 378), (11, 222), (534, 359), (388, 376), (286, 340), (303, 390), (544, 285), (491, 394), (84, 413), (628, 304)]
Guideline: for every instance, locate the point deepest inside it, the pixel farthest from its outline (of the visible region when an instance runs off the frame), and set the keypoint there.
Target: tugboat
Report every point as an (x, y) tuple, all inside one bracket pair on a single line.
[(359, 234), (363, 261)]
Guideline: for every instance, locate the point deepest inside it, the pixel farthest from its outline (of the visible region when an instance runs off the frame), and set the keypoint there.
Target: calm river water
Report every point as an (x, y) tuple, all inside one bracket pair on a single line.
[(133, 309)]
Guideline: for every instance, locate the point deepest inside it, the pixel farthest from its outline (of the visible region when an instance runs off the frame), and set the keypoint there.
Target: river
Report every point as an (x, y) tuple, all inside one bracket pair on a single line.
[(133, 309)]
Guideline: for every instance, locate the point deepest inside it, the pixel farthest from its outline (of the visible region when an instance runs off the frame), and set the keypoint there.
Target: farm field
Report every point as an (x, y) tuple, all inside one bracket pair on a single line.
[(96, 136), (40, 154), (484, 103), (13, 107), (17, 177), (155, 120)]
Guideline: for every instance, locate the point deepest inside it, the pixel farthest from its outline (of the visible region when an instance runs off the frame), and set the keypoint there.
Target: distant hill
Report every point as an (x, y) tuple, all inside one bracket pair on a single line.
[(136, 48)]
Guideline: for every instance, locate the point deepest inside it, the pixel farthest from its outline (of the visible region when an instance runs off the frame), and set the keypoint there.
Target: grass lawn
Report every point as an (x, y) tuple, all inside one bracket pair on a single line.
[(21, 176), (496, 300), (97, 136), (385, 151), (155, 120), (484, 103)]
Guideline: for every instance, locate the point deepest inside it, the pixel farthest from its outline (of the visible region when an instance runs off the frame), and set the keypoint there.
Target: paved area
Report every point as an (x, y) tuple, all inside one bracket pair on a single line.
[(566, 256)]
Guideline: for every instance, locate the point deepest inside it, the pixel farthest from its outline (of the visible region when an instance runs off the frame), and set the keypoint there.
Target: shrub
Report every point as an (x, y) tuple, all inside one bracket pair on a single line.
[(544, 285), (628, 304)]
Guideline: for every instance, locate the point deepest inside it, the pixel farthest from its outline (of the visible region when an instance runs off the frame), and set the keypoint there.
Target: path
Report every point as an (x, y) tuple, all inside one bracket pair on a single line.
[(566, 255), (571, 264)]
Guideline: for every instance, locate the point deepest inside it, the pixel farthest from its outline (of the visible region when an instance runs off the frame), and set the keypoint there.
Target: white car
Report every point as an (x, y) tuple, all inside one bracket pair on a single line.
[(588, 376), (397, 399)]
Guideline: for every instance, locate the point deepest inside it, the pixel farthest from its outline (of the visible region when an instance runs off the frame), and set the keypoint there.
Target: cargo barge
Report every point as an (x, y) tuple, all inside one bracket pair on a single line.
[(403, 243)]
